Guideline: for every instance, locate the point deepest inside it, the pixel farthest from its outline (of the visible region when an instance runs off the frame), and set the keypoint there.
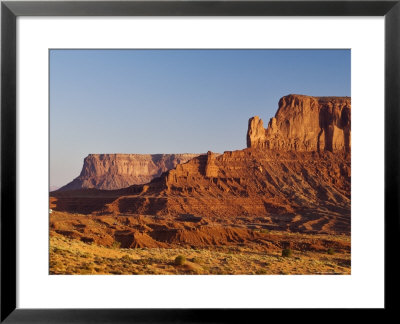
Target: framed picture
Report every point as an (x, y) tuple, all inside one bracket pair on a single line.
[(143, 119)]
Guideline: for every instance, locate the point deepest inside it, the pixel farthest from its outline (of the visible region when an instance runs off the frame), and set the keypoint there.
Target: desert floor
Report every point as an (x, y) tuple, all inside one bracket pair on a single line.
[(69, 255)]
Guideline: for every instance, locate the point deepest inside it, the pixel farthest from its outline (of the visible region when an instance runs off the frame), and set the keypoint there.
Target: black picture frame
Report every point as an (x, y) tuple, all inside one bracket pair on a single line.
[(10, 10)]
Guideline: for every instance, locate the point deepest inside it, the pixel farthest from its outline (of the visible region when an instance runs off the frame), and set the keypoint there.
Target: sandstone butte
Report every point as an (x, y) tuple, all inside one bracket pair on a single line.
[(304, 123), (295, 175)]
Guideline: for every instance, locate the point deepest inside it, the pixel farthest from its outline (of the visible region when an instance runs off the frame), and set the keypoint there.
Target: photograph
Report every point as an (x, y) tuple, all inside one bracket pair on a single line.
[(199, 161)]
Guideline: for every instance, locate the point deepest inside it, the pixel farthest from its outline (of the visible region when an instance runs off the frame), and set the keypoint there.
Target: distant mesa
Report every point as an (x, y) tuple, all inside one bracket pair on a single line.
[(116, 171), (304, 123)]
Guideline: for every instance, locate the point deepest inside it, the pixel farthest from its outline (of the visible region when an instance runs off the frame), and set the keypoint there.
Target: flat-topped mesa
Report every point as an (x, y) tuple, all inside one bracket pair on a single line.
[(115, 171), (304, 123)]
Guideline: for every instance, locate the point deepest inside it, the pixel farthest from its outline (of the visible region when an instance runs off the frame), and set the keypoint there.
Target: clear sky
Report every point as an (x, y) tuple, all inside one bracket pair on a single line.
[(174, 101)]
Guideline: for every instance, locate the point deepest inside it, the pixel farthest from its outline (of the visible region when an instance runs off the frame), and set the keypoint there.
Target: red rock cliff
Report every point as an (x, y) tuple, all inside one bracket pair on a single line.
[(304, 123)]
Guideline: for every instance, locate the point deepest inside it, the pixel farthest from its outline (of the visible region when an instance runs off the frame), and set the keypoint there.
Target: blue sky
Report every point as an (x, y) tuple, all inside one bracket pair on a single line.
[(174, 101)]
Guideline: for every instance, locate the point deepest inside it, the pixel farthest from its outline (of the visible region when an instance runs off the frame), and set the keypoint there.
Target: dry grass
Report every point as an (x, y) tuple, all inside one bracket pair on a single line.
[(69, 256)]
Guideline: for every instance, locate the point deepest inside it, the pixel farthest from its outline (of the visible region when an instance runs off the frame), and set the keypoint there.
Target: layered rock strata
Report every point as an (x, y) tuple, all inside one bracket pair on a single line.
[(302, 190)]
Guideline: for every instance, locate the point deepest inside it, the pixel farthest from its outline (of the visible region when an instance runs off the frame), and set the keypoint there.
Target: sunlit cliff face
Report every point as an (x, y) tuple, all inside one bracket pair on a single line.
[(304, 123)]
